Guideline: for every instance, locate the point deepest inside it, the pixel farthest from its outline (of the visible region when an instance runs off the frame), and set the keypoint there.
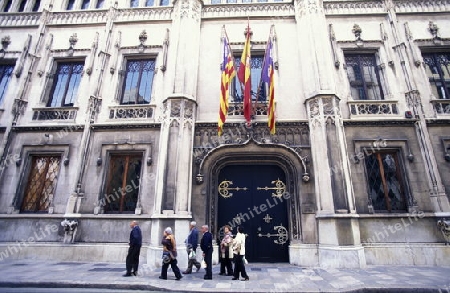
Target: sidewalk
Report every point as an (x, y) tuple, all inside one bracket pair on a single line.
[(263, 278)]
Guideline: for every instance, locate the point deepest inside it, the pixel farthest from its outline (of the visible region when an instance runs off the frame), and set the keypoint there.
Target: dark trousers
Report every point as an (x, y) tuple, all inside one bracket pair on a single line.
[(208, 261), (225, 262), (239, 266), (192, 262), (132, 261), (173, 264)]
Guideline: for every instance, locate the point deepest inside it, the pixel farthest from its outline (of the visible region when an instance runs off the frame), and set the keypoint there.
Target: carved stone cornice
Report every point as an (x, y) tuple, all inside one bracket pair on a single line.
[(188, 9), (421, 6), (19, 19), (381, 122), (353, 7), (271, 10), (128, 125), (304, 7), (46, 128)]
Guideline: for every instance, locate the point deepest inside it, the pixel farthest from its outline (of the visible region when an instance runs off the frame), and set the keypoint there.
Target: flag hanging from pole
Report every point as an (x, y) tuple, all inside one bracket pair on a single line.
[(227, 75), (244, 77), (267, 78)]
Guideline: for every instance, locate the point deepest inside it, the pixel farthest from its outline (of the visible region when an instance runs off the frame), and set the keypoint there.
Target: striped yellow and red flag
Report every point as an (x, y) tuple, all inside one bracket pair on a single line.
[(244, 77), (227, 75), (267, 77)]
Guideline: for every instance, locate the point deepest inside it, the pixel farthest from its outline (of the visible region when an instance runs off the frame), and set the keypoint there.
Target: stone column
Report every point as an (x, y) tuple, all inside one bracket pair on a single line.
[(332, 177)]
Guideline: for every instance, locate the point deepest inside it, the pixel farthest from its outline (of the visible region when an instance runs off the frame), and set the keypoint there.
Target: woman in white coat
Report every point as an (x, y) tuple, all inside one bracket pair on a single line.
[(239, 255)]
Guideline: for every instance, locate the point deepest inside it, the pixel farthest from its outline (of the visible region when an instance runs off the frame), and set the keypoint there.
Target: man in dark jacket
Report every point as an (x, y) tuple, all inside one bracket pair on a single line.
[(207, 248), (135, 243), (191, 248)]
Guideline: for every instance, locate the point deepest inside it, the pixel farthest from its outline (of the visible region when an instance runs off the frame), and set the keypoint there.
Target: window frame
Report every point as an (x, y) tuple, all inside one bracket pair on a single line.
[(382, 92), (401, 176), (124, 73), (441, 74), (4, 93), (52, 82)]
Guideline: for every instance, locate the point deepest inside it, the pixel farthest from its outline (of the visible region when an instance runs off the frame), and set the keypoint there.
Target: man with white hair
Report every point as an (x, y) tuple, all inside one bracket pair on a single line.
[(207, 248), (191, 248)]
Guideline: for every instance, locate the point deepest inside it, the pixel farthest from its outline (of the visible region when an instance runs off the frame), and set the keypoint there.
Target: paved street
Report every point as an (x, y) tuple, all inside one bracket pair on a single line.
[(263, 278)]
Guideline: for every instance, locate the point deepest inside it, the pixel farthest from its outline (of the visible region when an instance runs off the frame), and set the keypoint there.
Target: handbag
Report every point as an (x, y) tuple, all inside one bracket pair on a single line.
[(166, 257), (203, 264), (192, 254)]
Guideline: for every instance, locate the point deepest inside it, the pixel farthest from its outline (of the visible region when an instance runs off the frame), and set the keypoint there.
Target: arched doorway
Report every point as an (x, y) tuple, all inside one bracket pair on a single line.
[(255, 196)]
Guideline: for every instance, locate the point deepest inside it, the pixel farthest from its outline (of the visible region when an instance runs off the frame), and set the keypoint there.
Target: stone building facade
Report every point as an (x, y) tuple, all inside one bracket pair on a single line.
[(109, 109)]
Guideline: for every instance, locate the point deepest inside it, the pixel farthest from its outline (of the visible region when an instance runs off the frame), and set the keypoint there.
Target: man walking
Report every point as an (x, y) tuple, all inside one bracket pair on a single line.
[(135, 243), (207, 248), (191, 247)]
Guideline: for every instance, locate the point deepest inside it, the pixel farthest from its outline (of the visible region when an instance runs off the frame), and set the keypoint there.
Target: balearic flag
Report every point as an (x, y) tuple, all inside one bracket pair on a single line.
[(227, 75), (244, 77), (267, 77)]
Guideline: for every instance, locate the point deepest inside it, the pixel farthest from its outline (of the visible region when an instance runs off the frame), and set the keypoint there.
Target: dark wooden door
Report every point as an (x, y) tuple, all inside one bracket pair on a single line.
[(252, 196)]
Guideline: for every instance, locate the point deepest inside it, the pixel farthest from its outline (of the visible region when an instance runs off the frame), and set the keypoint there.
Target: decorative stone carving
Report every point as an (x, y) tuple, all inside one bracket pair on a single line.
[(44, 58), (444, 227), (70, 230), (374, 107), (357, 32), (337, 63), (6, 41), (142, 40), (115, 53), (73, 39), (165, 51), (92, 55), (409, 38)]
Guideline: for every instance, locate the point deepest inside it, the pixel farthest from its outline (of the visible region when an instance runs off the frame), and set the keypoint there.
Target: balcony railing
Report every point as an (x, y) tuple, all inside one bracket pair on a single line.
[(131, 112), (56, 113), (441, 107), (236, 109), (373, 107)]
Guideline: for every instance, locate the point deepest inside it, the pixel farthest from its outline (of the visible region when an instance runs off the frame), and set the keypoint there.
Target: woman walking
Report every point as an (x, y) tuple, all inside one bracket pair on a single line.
[(226, 252), (239, 255), (169, 255)]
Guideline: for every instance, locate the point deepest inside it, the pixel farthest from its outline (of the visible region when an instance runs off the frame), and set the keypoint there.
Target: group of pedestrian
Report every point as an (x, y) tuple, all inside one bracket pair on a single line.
[(232, 249)]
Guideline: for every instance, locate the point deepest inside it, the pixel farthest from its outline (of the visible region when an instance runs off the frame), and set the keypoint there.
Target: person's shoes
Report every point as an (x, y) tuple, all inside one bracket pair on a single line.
[(162, 278), (234, 279), (134, 273), (179, 278), (198, 268), (230, 274), (127, 275), (245, 279), (221, 274), (207, 278)]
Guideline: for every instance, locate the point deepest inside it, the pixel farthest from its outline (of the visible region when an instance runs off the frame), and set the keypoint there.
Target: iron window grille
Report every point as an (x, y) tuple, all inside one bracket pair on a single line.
[(122, 183), (41, 183), (258, 91), (6, 71), (137, 84), (363, 76), (385, 182), (438, 72)]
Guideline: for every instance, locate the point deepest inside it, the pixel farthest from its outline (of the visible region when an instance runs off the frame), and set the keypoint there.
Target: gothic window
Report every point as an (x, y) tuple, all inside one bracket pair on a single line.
[(100, 4), (85, 4), (149, 3), (134, 3), (363, 76), (22, 5), (36, 5), (6, 71), (164, 3), (41, 183), (65, 83), (257, 91), (138, 80), (385, 181), (7, 6), (438, 72), (70, 4), (122, 183)]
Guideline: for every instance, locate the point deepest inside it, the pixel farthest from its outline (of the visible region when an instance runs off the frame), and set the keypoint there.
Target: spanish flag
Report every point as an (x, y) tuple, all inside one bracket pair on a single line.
[(267, 77), (244, 77), (227, 75)]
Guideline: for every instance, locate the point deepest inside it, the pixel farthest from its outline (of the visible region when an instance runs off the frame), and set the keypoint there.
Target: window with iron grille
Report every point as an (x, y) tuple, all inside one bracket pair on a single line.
[(138, 80), (85, 4), (438, 72), (65, 82), (258, 91), (36, 5), (6, 71), (122, 183), (363, 76), (70, 4), (386, 181), (41, 183)]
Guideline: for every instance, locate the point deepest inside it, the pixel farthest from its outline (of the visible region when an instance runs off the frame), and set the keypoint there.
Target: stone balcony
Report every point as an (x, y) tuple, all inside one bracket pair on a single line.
[(368, 108), (55, 113), (441, 107), (142, 112)]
